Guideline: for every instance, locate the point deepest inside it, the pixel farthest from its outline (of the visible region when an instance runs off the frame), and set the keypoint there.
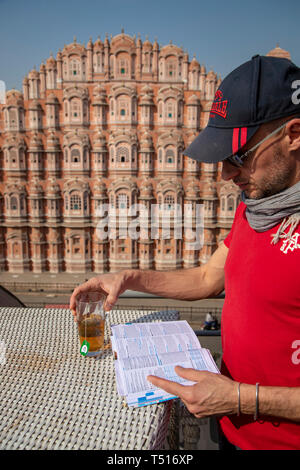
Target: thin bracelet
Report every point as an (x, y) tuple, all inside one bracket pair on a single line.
[(239, 399), (256, 402)]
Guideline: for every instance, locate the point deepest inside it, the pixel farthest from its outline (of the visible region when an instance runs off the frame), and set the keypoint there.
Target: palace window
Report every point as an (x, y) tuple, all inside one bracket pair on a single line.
[(75, 109), (171, 69), (122, 201), (160, 109), (85, 202), (160, 155), (75, 155), (122, 154), (123, 67), (170, 109), (13, 203), (123, 106), (170, 156), (75, 202), (230, 204), (169, 201), (13, 119), (74, 68)]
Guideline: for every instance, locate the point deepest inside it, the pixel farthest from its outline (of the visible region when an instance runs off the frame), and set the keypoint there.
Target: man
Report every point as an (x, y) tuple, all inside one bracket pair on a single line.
[(254, 130)]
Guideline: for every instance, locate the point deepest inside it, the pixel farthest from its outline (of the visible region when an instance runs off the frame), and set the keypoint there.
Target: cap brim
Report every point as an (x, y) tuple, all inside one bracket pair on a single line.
[(215, 144)]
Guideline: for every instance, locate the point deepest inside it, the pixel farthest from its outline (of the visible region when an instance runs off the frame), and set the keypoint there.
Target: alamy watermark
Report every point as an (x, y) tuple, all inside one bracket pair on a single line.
[(296, 354), (160, 221), (2, 353)]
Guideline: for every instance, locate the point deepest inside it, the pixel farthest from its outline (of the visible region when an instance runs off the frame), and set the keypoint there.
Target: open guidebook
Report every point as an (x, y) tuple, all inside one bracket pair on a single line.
[(143, 349)]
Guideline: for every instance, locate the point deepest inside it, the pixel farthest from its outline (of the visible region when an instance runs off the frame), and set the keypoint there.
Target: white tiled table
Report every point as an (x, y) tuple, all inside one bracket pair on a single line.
[(51, 397)]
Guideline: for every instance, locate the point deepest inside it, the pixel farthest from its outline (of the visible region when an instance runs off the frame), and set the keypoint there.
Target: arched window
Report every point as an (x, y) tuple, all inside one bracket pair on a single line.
[(112, 107), (76, 245), (147, 63), (13, 203), (13, 156), (170, 109), (75, 155), (169, 201), (122, 154), (160, 109), (75, 202), (169, 156), (123, 68), (123, 107), (112, 154), (22, 203), (13, 118), (111, 63), (74, 68), (75, 109), (98, 62), (122, 201), (230, 203), (85, 202)]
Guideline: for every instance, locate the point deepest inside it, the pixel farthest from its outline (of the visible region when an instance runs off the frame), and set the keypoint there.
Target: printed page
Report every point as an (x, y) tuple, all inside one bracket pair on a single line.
[(137, 330), (140, 391), (153, 345), (133, 372), (140, 362), (155, 349)]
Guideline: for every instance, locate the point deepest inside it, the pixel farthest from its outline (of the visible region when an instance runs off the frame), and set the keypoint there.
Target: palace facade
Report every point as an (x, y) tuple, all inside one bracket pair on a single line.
[(107, 124)]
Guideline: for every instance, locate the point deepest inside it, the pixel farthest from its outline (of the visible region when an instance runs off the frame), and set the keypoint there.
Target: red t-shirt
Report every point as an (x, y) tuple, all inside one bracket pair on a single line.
[(261, 327)]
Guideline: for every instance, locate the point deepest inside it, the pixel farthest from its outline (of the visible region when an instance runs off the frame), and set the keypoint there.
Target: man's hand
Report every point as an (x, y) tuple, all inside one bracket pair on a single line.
[(213, 394), (112, 285)]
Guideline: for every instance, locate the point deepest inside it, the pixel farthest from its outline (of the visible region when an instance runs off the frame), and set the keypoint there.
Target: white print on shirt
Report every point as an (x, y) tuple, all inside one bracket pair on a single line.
[(296, 94), (296, 354), (291, 244)]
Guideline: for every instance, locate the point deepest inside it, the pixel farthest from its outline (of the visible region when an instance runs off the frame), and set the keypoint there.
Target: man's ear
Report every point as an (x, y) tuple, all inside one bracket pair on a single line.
[(293, 131)]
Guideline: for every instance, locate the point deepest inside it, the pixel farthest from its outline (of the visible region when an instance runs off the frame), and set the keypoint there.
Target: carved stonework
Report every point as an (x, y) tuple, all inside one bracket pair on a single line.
[(108, 123)]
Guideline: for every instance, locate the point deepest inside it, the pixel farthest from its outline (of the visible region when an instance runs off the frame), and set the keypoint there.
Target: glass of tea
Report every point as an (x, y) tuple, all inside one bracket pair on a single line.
[(90, 316)]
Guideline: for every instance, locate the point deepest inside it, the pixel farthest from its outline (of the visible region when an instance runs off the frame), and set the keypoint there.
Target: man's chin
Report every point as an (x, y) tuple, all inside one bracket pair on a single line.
[(252, 194)]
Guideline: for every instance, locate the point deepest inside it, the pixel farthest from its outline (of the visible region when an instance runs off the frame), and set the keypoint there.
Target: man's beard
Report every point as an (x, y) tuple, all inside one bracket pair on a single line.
[(277, 179)]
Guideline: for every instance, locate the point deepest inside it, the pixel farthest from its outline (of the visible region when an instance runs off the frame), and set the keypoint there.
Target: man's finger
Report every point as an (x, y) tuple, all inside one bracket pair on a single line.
[(75, 294), (110, 300), (82, 289), (170, 387)]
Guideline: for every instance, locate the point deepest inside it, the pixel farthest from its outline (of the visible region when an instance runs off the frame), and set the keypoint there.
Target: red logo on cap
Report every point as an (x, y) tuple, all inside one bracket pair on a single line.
[(219, 106)]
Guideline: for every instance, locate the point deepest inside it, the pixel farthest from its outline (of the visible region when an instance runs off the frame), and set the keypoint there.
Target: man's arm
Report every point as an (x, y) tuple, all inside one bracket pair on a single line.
[(185, 284)]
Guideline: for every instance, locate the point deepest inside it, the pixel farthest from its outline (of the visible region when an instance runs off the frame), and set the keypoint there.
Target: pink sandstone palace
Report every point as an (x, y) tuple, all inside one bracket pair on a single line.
[(107, 124)]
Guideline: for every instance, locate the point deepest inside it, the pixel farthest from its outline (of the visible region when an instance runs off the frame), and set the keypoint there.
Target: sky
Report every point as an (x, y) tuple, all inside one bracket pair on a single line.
[(221, 34)]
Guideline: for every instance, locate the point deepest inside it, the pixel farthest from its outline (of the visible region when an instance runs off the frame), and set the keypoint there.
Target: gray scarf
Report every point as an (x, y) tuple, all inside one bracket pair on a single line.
[(263, 214)]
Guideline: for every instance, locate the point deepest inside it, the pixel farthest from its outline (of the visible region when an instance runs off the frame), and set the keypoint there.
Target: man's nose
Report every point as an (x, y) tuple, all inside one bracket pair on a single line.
[(229, 171)]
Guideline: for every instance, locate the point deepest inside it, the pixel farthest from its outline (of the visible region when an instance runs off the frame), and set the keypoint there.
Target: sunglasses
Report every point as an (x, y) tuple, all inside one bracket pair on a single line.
[(238, 160)]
